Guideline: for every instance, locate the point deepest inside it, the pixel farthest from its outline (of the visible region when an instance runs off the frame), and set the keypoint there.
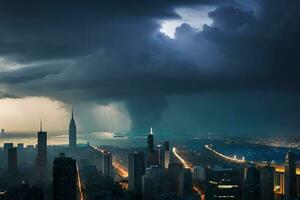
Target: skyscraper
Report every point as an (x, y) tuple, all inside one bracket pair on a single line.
[(72, 133), (136, 166), (267, 183), (12, 162), (153, 182), (198, 173), (173, 175), (107, 164), (290, 177), (6, 146), (252, 184), (150, 148), (167, 153), (185, 183), (160, 155), (64, 178), (41, 158)]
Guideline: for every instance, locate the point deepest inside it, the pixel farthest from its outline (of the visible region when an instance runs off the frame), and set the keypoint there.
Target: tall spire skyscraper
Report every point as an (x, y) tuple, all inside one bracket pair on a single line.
[(150, 148), (290, 177), (41, 158), (72, 133)]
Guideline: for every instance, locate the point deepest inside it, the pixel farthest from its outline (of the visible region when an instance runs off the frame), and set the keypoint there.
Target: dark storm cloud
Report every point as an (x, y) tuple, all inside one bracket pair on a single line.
[(4, 94), (113, 51)]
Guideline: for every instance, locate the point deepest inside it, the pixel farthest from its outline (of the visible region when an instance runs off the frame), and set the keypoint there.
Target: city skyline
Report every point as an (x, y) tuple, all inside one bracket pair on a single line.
[(184, 173), (150, 100)]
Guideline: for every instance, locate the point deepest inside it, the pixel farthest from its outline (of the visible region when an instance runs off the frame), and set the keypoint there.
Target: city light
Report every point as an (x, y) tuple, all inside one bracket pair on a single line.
[(120, 169), (79, 184), (186, 165), (234, 159)]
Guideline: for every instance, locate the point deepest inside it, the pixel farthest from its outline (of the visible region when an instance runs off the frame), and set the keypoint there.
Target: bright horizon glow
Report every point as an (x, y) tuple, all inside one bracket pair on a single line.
[(24, 114)]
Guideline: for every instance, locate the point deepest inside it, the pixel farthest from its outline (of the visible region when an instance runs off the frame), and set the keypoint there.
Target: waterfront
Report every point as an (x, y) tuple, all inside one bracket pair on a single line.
[(243, 148)]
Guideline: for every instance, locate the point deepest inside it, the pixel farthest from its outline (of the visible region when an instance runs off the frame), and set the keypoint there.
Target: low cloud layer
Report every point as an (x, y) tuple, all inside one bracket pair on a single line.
[(104, 52)]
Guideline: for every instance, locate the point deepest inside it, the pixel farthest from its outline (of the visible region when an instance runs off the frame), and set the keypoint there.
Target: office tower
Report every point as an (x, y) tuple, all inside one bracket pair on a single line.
[(278, 183), (298, 185), (2, 131), (7, 146), (167, 153), (252, 184), (107, 164), (41, 158), (20, 146), (173, 175), (155, 157), (20, 152), (136, 170), (290, 177), (72, 133), (185, 183), (198, 173), (12, 162), (64, 178), (153, 182), (160, 155), (222, 183), (147, 188), (267, 183), (150, 148)]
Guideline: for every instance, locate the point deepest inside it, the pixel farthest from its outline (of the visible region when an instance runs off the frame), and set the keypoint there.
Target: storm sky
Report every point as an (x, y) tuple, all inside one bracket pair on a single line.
[(181, 66)]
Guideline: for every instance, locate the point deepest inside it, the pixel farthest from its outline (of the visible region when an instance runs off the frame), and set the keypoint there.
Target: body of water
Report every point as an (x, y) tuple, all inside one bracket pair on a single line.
[(249, 151)]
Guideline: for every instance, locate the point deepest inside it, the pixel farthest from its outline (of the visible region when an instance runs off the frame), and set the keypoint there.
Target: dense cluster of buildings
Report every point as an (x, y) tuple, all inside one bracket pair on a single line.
[(151, 173), (154, 177), (259, 182)]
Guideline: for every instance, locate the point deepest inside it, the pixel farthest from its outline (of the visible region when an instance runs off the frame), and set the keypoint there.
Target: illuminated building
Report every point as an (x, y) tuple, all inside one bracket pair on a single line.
[(167, 153), (72, 133), (267, 183), (278, 183), (222, 183), (64, 178), (252, 184), (12, 162), (160, 156), (185, 183), (290, 177), (150, 148), (41, 158), (136, 170)]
